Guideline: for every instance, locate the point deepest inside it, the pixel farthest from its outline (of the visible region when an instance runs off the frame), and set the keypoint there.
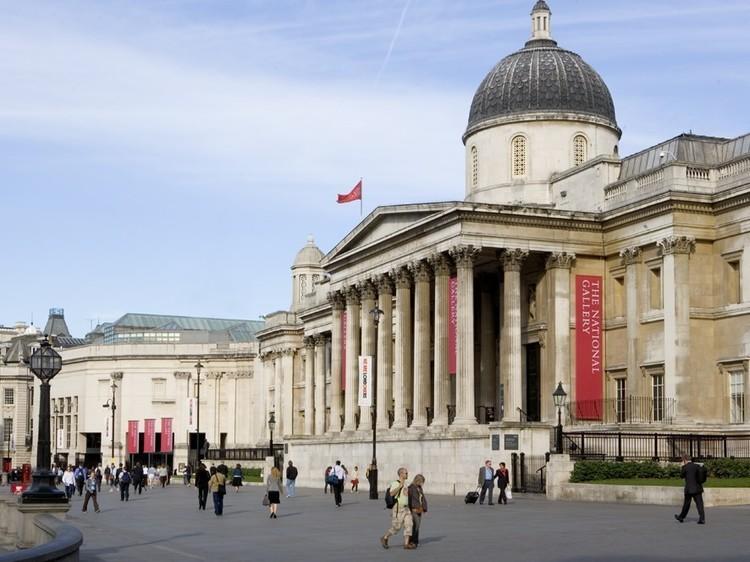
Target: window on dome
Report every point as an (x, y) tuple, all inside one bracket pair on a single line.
[(520, 161), (579, 150), (474, 167)]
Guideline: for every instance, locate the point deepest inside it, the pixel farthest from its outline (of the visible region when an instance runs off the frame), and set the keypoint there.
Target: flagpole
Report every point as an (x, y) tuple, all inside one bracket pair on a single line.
[(361, 196)]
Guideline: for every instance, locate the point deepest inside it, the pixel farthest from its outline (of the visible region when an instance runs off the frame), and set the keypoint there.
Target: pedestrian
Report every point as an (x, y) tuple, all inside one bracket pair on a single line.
[(237, 478), (117, 475), (400, 513), (108, 477), (355, 480), (486, 480), (99, 476), (201, 482), (417, 505), (291, 479), (336, 480), (92, 484), (371, 473), (163, 474), (125, 479), (138, 478), (69, 481), (503, 479), (186, 474), (695, 476), (325, 480), (218, 485), (274, 490), (150, 475), (80, 475)]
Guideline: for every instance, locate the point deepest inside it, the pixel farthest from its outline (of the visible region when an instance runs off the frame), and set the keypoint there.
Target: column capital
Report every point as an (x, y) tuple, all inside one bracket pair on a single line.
[(464, 256), (352, 295), (402, 278), (631, 255), (513, 258), (182, 375), (116, 375), (242, 374), (420, 271), (367, 290), (441, 264), (286, 352), (677, 245), (337, 300), (309, 342), (319, 340), (560, 260), (384, 283), (215, 375)]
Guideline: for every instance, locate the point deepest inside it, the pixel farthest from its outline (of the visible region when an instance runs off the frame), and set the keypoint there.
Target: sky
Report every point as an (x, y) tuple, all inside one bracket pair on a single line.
[(172, 156)]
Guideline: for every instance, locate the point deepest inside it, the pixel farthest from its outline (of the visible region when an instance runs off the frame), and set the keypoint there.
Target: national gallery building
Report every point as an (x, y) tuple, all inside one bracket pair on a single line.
[(627, 280)]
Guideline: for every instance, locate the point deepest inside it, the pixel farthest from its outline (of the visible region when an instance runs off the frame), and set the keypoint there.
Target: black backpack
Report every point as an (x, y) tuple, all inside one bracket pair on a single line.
[(390, 500), (702, 473)]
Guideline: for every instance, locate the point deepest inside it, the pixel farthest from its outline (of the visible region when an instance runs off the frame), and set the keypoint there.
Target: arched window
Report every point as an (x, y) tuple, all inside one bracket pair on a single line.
[(579, 150), (474, 167), (520, 161)]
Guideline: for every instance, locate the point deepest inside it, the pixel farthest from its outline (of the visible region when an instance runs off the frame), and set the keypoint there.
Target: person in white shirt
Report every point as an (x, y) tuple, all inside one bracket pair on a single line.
[(69, 482), (338, 472), (151, 473)]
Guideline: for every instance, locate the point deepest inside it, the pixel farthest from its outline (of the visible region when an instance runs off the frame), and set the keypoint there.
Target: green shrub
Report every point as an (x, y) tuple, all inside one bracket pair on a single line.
[(728, 468), (251, 475), (586, 471)]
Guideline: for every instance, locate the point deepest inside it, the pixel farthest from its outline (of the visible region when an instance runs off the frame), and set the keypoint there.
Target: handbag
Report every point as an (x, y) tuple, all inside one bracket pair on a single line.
[(509, 494), (265, 502), (222, 489)]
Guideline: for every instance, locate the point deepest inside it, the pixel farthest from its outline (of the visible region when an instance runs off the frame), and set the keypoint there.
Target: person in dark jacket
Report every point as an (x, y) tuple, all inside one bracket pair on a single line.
[(138, 478), (125, 479), (201, 482), (503, 479), (417, 505), (694, 475), (291, 478)]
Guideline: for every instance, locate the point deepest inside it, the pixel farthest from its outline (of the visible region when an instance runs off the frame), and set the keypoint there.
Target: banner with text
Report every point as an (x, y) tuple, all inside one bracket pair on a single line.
[(166, 435), (60, 438), (132, 441), (343, 350), (365, 381), (589, 347), (149, 436), (452, 323), (190, 412)]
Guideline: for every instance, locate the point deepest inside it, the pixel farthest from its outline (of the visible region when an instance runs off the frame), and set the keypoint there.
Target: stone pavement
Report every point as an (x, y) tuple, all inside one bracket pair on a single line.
[(165, 525)]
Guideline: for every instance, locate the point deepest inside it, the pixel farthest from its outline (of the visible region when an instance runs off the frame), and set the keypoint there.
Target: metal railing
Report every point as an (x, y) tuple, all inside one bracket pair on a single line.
[(620, 446), (250, 454), (631, 409)]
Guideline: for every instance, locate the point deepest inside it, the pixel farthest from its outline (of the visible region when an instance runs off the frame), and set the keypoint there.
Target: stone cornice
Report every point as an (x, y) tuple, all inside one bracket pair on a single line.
[(552, 219)]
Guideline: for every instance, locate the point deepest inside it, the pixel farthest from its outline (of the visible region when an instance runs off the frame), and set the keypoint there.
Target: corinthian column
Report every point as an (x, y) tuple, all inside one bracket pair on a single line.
[(352, 358), (465, 411), (277, 394), (441, 385), (385, 350), (367, 292), (320, 385), (309, 385), (421, 273), (337, 307), (631, 257), (511, 336), (558, 267), (402, 379), (487, 366)]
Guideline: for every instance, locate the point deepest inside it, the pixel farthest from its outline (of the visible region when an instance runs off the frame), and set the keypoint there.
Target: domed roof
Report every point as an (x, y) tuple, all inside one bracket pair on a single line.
[(309, 256), (541, 78)]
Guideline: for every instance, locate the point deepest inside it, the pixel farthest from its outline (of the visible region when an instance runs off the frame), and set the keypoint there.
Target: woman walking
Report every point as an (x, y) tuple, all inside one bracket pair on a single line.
[(201, 482), (417, 505), (69, 482), (274, 487), (355, 480), (237, 477), (217, 483)]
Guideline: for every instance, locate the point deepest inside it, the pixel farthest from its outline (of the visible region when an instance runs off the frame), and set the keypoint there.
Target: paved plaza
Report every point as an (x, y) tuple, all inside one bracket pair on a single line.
[(165, 525)]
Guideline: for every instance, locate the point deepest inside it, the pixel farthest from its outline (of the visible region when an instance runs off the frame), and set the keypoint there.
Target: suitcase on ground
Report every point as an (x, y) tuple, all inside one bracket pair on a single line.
[(471, 497)]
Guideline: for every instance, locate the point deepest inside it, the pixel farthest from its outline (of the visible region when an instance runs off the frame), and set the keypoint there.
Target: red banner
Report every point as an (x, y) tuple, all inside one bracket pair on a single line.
[(452, 323), (589, 347), (166, 435), (343, 349), (149, 436), (132, 439)]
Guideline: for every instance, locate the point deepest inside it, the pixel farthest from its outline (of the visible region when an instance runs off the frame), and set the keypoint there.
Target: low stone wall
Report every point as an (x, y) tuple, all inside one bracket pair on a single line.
[(653, 495)]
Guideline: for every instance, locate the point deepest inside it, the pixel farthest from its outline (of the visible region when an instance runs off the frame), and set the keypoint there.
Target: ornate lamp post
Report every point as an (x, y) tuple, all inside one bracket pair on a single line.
[(199, 441), (376, 313), (45, 363), (271, 427), (559, 396), (112, 404)]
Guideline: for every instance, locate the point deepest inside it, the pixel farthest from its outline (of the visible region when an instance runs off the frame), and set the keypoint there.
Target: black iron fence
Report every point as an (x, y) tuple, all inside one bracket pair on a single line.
[(654, 446), (629, 409), (528, 473), (249, 454)]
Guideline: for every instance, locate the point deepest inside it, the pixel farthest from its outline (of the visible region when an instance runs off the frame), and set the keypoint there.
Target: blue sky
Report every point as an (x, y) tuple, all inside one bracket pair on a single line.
[(150, 151)]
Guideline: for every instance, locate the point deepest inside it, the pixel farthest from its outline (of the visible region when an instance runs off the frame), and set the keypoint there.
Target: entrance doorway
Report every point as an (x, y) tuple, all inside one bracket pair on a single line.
[(533, 383)]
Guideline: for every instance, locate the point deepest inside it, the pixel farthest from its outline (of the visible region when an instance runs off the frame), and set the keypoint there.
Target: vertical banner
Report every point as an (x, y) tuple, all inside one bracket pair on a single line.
[(106, 429), (132, 441), (365, 390), (60, 438), (343, 349), (190, 412), (452, 323), (589, 347), (166, 435), (149, 436)]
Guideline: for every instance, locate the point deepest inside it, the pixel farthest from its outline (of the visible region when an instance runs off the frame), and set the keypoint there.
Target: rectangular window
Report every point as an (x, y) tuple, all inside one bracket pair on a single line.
[(159, 388), (618, 301), (7, 429), (10, 396), (737, 396), (67, 432), (657, 393), (655, 289), (734, 295), (68, 405), (620, 386)]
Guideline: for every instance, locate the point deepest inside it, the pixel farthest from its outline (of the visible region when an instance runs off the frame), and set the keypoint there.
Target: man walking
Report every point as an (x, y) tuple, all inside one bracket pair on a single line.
[(486, 481), (503, 479), (80, 474), (92, 484), (400, 513), (125, 485), (337, 472), (291, 477), (694, 475)]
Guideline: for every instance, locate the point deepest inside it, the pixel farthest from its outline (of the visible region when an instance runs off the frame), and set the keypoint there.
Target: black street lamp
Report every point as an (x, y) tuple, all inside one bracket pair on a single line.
[(373, 478), (559, 396), (111, 403), (198, 367), (271, 427), (45, 363)]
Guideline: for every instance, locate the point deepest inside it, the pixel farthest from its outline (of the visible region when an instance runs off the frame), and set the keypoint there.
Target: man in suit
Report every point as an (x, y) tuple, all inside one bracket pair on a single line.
[(694, 476), (486, 481)]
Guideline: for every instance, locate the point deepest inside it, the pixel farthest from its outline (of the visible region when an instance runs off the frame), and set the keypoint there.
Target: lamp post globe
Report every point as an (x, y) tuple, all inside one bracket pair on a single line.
[(45, 363), (560, 397)]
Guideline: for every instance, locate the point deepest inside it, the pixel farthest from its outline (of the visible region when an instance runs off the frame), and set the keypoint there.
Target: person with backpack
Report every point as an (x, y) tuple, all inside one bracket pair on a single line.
[(80, 476), (397, 500), (695, 476), (336, 479), (92, 484), (125, 480)]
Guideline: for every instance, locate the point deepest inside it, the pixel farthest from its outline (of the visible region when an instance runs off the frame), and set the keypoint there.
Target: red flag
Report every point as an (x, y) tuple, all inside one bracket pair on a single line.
[(166, 435), (354, 195), (149, 436)]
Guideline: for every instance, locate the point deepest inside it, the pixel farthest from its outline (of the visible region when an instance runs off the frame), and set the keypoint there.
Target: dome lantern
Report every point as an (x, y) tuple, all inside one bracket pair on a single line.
[(541, 23)]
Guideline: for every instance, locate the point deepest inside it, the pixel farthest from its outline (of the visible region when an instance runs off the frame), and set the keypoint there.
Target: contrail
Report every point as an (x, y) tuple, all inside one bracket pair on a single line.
[(393, 41)]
